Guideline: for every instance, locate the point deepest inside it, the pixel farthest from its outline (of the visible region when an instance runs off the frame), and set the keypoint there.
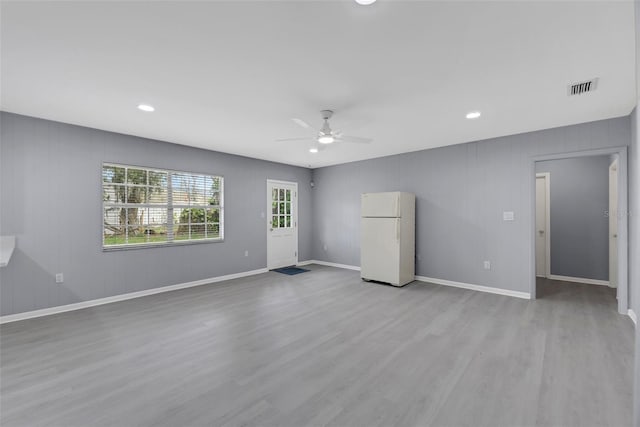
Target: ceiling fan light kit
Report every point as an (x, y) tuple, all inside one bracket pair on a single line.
[(325, 135), (325, 139)]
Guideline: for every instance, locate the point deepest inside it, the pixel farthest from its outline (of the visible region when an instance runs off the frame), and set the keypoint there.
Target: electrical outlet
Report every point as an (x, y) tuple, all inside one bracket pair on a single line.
[(487, 265), (246, 253), (59, 278), (508, 216)]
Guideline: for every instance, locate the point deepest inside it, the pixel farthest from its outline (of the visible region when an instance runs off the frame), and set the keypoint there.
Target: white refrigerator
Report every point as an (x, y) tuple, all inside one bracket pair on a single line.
[(387, 249)]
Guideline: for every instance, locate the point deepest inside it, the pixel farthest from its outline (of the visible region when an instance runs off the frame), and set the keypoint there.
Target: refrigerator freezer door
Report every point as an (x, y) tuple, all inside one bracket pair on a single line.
[(382, 205), (380, 250)]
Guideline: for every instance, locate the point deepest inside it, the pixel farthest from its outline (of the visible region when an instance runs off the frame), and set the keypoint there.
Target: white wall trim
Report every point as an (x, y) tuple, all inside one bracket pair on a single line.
[(480, 288), (547, 221), (123, 297), (443, 282), (579, 280), (330, 264), (632, 315)]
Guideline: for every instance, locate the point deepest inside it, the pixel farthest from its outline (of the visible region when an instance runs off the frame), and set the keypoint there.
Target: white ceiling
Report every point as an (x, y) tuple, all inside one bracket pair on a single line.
[(229, 76)]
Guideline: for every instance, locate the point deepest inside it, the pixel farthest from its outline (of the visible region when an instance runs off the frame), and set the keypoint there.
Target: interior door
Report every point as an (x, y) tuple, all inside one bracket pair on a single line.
[(542, 220), (282, 224), (613, 224)]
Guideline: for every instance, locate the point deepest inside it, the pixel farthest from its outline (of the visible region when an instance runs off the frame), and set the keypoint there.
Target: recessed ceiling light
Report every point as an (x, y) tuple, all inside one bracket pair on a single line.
[(313, 150), (365, 2), (325, 139), (473, 115), (146, 107)]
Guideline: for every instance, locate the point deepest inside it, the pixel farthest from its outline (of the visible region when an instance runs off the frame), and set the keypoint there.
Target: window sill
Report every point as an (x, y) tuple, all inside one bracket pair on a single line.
[(159, 245)]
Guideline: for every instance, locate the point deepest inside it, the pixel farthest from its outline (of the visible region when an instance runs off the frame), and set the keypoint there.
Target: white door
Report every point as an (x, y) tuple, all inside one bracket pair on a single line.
[(282, 224), (542, 225), (380, 249), (613, 224)]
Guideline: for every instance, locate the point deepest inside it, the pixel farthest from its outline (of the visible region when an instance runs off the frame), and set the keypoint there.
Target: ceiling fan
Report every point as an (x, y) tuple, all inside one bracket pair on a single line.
[(325, 135)]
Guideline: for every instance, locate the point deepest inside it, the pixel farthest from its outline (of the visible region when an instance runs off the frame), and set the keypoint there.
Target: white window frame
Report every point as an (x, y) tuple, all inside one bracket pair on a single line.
[(170, 207)]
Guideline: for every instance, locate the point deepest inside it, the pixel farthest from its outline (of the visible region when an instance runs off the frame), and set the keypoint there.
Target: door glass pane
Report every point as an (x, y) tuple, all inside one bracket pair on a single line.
[(274, 194), (274, 221), (282, 194), (288, 212), (281, 207), (288, 195), (282, 221), (274, 207), (288, 221)]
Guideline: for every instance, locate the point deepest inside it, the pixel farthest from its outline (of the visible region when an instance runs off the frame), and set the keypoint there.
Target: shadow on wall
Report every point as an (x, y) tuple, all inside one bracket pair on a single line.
[(44, 292)]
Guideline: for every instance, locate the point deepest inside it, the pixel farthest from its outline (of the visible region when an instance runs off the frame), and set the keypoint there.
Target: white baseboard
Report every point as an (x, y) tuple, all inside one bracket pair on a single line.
[(632, 315), (123, 297), (524, 295), (330, 264), (480, 288), (579, 280)]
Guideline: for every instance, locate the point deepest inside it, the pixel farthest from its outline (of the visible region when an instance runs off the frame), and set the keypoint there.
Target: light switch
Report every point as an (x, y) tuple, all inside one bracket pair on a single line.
[(508, 216)]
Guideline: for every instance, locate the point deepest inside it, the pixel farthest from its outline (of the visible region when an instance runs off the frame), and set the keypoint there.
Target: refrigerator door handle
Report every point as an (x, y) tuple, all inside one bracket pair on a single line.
[(398, 231)]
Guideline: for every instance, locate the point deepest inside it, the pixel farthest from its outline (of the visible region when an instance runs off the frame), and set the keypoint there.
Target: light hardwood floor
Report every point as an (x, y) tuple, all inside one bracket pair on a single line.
[(324, 348)]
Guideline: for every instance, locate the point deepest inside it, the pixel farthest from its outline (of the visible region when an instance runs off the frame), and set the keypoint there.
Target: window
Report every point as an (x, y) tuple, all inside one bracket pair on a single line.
[(148, 207)]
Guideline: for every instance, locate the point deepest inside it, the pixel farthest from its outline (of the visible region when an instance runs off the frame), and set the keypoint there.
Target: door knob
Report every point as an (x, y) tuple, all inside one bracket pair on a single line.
[(541, 231), (615, 236)]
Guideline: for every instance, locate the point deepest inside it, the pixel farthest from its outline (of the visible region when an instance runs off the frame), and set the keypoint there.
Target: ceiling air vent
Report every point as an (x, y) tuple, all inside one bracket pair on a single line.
[(583, 87)]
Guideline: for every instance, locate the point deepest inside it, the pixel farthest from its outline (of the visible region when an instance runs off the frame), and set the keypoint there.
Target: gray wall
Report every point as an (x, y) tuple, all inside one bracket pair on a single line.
[(634, 239), (461, 192), (634, 219), (51, 200), (579, 232)]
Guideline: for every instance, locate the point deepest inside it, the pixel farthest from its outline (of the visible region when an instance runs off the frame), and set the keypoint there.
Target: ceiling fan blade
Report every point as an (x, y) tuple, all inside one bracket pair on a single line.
[(305, 138), (355, 139), (301, 123)]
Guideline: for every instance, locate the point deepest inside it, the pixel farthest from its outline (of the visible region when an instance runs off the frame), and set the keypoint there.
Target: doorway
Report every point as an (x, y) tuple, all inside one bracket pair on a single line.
[(282, 224), (609, 265)]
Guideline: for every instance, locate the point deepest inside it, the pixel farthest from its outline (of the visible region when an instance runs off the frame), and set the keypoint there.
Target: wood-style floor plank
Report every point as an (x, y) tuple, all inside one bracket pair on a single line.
[(324, 348)]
